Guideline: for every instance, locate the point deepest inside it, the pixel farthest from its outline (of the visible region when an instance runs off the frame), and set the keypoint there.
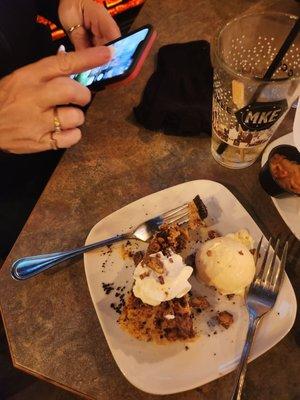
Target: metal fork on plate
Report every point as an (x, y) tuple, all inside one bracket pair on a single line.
[(27, 267), (260, 299)]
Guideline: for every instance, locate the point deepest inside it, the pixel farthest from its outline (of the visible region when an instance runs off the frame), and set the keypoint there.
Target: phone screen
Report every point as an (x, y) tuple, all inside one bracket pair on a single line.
[(124, 51)]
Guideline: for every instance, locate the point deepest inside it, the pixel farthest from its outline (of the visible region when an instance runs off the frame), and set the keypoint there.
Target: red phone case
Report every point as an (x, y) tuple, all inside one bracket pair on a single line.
[(139, 64)]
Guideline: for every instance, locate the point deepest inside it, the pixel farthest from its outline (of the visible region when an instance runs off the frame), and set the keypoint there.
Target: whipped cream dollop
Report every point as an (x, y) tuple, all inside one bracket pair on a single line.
[(168, 281)]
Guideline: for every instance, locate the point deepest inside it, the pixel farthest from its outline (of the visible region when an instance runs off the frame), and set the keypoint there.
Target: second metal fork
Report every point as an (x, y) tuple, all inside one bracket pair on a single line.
[(260, 299)]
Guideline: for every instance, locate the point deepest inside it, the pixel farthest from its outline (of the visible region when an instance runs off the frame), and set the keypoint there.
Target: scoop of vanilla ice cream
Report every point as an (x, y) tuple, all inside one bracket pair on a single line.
[(153, 288), (244, 237), (226, 263)]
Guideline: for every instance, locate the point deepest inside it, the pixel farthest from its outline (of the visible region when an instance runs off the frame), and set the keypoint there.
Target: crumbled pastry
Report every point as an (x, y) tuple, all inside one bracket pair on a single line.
[(194, 219), (168, 237), (230, 296), (137, 257), (154, 263), (197, 213), (225, 319), (212, 234), (144, 275), (170, 321), (199, 302)]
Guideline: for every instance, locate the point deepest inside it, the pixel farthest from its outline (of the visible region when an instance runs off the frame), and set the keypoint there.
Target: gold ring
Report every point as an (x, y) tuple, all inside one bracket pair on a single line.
[(53, 142), (57, 129), (70, 30), (56, 122)]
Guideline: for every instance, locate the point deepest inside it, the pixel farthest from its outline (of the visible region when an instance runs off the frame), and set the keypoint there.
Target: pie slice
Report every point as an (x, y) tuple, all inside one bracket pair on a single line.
[(171, 320)]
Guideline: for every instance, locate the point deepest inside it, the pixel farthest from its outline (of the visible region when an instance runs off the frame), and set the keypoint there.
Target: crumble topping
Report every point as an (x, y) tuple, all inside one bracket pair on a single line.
[(200, 302), (153, 263), (170, 321), (137, 257), (168, 237), (225, 319)]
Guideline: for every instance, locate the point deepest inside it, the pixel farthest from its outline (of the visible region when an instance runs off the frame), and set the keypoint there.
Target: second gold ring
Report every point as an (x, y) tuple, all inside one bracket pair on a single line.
[(56, 122), (70, 30)]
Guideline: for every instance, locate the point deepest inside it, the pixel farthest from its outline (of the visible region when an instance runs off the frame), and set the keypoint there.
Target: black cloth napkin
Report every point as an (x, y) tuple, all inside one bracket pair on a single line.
[(177, 98)]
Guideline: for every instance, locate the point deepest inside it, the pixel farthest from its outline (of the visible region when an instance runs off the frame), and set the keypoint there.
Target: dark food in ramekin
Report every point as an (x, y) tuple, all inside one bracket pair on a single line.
[(280, 176)]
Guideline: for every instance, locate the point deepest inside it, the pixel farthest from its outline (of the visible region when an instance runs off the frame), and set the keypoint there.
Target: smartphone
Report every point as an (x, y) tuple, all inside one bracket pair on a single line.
[(130, 52)]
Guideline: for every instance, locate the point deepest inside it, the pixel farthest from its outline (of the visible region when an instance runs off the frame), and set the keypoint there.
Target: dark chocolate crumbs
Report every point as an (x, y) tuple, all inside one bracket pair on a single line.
[(107, 287)]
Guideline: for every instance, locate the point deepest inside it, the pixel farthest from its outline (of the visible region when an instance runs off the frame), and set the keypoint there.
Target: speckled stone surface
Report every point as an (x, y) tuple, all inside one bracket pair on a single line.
[(50, 321)]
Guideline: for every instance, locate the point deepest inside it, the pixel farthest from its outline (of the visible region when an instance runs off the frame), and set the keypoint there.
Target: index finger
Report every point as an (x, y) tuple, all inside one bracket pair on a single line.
[(65, 64)]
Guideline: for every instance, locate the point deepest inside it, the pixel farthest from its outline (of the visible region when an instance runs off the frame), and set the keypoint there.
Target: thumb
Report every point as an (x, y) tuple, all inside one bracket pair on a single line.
[(65, 64)]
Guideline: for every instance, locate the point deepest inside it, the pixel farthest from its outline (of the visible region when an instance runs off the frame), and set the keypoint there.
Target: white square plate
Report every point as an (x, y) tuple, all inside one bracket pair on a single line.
[(165, 369)]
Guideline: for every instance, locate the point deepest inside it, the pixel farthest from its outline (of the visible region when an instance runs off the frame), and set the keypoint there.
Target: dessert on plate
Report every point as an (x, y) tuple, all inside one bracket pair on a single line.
[(160, 306)]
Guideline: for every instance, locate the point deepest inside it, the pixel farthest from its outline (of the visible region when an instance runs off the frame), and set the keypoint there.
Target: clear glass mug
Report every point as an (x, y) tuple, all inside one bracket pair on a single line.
[(246, 109)]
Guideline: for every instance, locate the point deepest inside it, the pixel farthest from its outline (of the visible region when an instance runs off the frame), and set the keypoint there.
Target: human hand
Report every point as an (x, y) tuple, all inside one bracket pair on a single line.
[(29, 98), (96, 28)]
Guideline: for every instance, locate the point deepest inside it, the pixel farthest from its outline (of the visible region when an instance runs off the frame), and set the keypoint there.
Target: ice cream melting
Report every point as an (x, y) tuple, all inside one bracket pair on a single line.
[(226, 262)]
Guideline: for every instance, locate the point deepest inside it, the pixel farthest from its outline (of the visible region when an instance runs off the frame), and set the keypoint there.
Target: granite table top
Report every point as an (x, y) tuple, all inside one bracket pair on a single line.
[(52, 328)]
